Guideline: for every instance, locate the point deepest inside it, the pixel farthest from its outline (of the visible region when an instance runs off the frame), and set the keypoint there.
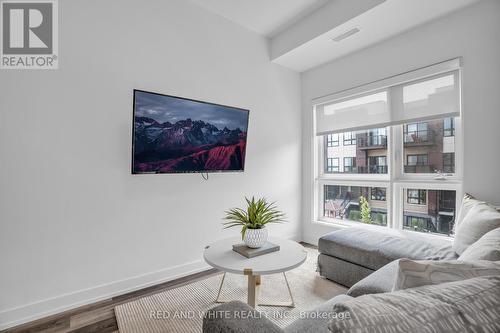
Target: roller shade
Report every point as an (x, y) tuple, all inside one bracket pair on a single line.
[(428, 93)]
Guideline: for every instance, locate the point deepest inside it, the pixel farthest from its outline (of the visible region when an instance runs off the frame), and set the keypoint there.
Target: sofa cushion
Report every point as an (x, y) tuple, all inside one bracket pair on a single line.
[(380, 281), (486, 248), (449, 307), (341, 271), (316, 321), (373, 249), (480, 219), (412, 273)]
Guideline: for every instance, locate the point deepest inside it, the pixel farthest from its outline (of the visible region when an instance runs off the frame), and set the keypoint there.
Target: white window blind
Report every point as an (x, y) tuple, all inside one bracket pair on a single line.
[(427, 93)]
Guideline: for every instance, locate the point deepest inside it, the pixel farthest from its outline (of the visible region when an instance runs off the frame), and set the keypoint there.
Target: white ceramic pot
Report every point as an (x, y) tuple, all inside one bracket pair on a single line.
[(255, 238)]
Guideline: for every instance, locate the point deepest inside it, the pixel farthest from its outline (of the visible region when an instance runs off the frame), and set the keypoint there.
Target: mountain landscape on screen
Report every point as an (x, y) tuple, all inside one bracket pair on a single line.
[(173, 135)]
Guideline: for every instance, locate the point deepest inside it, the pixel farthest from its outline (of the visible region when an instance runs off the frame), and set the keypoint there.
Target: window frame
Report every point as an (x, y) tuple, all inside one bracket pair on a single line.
[(372, 197), (351, 166), (451, 129), (451, 164), (351, 140), (421, 199), (332, 142), (396, 179), (333, 165)]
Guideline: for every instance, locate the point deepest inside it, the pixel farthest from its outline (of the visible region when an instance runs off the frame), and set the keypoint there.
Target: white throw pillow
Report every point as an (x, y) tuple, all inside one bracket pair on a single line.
[(479, 220), (486, 248), (468, 201), (416, 273)]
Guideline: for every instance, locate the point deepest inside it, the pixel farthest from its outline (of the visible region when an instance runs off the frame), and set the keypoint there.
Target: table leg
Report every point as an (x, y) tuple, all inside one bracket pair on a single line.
[(253, 289), (290, 304), (217, 299)]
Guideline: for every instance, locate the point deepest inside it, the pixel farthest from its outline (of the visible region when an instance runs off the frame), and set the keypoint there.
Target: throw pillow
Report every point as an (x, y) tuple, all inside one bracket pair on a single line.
[(486, 248), (380, 281), (416, 273), (468, 201), (479, 220)]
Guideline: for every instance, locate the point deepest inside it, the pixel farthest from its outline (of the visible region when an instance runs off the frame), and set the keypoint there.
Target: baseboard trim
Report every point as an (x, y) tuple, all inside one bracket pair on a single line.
[(55, 305), (51, 306)]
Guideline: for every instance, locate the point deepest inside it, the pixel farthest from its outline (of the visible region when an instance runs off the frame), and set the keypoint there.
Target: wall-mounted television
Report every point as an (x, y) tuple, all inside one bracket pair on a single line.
[(180, 135)]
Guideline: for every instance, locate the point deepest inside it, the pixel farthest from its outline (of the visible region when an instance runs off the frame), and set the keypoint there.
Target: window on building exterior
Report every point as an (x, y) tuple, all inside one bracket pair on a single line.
[(377, 164), (417, 132), (349, 164), (332, 165), (349, 138), (414, 138), (332, 140), (378, 193), (448, 127), (416, 197), (417, 163), (449, 162)]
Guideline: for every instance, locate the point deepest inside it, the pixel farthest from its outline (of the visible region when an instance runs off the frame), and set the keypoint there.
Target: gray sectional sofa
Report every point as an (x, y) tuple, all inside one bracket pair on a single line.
[(349, 255), (440, 287)]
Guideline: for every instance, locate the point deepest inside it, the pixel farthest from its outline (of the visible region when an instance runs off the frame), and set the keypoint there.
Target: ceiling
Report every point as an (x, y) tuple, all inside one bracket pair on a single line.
[(381, 22), (302, 30), (265, 17)]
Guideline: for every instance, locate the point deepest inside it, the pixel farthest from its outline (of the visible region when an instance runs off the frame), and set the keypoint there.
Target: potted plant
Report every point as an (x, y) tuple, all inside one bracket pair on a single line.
[(253, 220)]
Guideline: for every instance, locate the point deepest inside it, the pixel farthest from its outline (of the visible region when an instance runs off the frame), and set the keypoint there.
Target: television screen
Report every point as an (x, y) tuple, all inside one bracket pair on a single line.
[(175, 135)]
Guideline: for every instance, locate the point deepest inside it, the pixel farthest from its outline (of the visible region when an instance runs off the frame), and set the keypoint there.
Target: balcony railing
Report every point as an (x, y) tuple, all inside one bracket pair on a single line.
[(372, 141), (447, 205), (418, 138), (377, 169), (420, 168)]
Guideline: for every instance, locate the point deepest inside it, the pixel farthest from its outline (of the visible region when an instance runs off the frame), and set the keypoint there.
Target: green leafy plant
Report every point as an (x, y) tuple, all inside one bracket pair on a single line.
[(366, 211), (258, 213)]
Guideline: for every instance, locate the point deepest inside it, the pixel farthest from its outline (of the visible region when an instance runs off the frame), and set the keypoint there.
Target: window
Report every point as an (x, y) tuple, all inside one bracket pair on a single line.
[(354, 204), (417, 197), (377, 137), (367, 156), (349, 164), (377, 164), (420, 159), (417, 163), (349, 138), (427, 147), (448, 127), (449, 162), (409, 124), (416, 133), (436, 214), (332, 165), (332, 140), (378, 193)]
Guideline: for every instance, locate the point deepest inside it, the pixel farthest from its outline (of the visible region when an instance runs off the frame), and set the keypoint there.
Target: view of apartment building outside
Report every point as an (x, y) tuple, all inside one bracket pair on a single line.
[(429, 147)]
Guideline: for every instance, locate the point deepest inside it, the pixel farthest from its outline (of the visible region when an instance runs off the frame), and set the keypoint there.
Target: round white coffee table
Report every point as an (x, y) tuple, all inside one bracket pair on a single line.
[(220, 255)]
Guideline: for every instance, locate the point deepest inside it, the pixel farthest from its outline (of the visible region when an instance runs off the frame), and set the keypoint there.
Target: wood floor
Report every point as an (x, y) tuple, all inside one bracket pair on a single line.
[(99, 317)]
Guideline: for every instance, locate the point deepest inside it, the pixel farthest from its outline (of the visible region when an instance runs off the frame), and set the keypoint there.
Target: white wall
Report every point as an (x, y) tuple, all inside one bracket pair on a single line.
[(472, 33), (75, 225)]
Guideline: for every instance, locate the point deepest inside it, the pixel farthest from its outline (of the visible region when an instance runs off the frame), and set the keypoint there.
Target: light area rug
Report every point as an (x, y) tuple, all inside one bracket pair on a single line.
[(182, 309)]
